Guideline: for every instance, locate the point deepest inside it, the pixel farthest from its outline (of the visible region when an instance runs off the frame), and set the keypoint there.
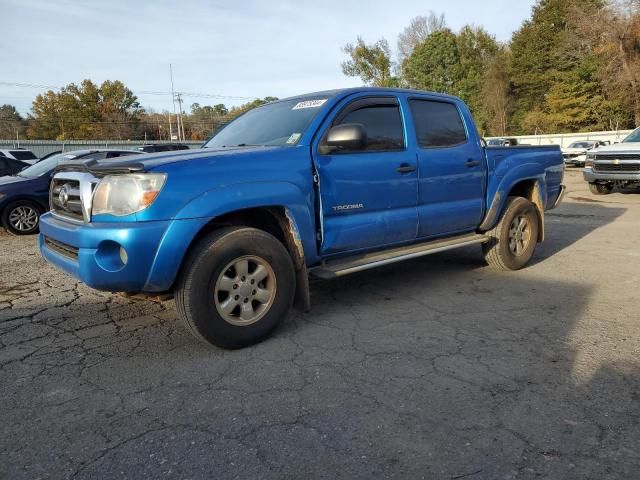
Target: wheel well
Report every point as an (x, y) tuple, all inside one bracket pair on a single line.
[(273, 220), (530, 189)]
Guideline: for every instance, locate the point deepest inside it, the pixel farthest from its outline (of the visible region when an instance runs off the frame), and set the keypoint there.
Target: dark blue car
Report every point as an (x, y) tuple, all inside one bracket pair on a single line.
[(25, 196)]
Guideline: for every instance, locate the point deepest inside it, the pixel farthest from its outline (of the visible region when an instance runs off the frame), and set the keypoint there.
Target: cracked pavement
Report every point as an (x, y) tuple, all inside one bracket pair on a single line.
[(436, 368)]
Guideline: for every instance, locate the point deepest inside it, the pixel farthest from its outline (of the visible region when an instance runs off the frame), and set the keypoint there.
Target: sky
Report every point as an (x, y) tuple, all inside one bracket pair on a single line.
[(237, 50)]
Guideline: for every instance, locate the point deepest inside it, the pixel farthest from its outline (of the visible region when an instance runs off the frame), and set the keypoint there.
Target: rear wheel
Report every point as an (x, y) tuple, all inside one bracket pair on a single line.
[(601, 188), (236, 285), (513, 240), (21, 218)]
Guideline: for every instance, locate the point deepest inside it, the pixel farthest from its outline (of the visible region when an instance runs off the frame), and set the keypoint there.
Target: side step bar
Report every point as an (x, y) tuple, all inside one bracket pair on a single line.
[(345, 266)]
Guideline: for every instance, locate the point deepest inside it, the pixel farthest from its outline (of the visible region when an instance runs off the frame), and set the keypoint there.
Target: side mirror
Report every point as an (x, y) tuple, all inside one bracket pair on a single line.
[(350, 136)]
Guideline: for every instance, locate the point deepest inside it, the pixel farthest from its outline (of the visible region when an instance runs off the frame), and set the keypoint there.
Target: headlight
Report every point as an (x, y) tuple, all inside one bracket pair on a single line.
[(588, 163), (122, 195)]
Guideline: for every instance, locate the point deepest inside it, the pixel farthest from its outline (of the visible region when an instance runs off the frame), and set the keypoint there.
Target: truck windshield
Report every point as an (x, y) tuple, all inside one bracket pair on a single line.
[(273, 124), (633, 137), (581, 145)]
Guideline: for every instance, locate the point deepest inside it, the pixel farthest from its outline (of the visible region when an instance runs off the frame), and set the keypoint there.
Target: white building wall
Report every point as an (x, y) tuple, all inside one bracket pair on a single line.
[(564, 139)]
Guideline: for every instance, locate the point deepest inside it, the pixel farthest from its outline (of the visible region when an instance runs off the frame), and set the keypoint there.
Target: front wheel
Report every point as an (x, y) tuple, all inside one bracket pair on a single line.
[(600, 188), (236, 285), (21, 218), (513, 240)]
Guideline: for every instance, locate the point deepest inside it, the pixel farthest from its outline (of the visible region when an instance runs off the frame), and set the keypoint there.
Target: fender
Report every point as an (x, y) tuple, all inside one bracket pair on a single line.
[(195, 215), (500, 185)]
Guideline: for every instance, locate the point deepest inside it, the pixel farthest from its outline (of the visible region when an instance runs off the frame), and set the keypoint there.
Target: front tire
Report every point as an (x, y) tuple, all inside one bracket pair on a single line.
[(21, 218), (513, 240), (237, 283), (601, 188)]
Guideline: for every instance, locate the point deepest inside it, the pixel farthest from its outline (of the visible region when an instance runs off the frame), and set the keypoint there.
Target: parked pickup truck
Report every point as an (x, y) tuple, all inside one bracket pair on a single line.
[(614, 165), (324, 184)]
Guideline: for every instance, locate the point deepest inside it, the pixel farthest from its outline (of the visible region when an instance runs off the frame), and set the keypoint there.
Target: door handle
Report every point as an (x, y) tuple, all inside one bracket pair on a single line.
[(405, 168), (472, 163)]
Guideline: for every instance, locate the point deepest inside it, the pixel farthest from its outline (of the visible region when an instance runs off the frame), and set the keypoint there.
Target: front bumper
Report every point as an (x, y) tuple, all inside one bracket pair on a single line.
[(91, 252), (590, 176), (575, 161)]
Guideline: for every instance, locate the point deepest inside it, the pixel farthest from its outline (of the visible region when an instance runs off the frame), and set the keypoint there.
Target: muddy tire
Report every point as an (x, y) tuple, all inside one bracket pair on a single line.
[(513, 240)]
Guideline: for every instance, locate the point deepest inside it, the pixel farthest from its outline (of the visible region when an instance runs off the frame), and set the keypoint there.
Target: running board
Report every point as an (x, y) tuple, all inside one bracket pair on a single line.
[(345, 266)]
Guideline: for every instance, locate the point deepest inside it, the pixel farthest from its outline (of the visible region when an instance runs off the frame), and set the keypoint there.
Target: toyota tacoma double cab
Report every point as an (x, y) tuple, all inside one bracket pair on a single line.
[(614, 165), (322, 185)]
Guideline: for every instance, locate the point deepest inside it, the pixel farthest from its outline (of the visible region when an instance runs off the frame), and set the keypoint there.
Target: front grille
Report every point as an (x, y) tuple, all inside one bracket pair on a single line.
[(617, 167), (618, 156), (62, 248), (65, 198)]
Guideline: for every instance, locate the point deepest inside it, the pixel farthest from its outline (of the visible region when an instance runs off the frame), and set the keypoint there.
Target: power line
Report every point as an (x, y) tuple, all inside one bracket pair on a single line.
[(137, 92)]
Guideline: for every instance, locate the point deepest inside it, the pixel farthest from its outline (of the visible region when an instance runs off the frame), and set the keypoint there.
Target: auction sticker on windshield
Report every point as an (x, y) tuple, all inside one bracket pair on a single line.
[(309, 104), (293, 138)]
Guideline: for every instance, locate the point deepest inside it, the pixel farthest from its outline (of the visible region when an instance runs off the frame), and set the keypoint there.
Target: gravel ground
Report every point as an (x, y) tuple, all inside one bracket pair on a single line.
[(437, 368)]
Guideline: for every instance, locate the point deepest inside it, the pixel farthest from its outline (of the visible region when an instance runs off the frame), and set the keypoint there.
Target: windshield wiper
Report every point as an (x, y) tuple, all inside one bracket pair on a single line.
[(242, 145)]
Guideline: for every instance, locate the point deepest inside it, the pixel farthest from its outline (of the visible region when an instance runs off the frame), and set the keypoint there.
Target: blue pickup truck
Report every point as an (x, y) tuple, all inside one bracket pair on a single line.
[(322, 185)]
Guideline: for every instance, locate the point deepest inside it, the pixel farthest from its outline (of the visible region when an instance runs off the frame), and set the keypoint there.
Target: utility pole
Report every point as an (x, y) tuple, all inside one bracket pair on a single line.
[(180, 112), (173, 100)]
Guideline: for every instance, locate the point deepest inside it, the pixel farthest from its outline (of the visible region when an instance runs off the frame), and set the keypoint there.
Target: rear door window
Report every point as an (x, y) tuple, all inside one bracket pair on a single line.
[(438, 124)]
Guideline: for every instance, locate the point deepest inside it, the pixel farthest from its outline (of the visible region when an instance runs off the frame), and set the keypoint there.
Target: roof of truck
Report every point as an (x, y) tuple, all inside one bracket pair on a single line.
[(373, 90)]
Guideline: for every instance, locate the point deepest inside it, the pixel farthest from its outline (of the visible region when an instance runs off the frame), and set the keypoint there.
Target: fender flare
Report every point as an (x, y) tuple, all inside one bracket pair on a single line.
[(522, 173)]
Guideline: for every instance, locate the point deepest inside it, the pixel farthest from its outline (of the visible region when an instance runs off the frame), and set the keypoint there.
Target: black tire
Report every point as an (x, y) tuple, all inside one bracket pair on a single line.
[(196, 286), (13, 209), (601, 188), (498, 250)]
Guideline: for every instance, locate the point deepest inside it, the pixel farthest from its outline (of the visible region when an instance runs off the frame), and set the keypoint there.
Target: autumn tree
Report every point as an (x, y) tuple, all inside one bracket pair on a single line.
[(205, 119), (372, 63), (496, 94), (86, 111)]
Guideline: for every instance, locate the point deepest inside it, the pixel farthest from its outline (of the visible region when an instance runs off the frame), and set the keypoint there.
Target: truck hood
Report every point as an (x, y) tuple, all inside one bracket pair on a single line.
[(631, 147), (152, 161)]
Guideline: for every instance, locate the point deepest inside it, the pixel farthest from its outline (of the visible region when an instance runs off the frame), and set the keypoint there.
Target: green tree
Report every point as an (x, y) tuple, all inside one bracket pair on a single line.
[(435, 64), (372, 63), (11, 122), (417, 32), (454, 64), (477, 50), (543, 53)]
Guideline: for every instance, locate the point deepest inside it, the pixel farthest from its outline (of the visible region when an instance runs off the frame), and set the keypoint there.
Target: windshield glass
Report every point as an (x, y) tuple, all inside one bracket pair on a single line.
[(274, 124), (633, 136), (495, 142), (45, 166), (23, 155), (581, 145)]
